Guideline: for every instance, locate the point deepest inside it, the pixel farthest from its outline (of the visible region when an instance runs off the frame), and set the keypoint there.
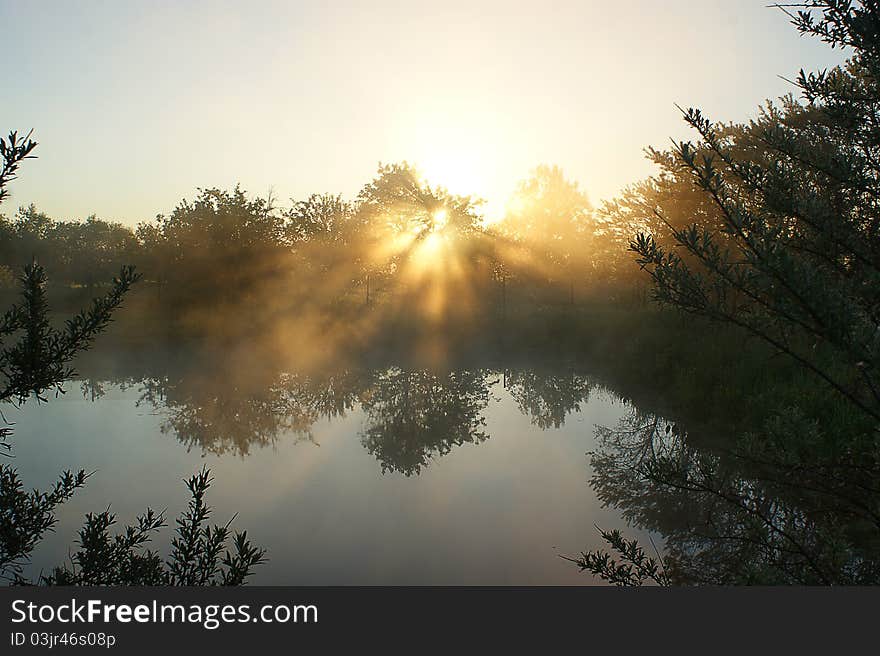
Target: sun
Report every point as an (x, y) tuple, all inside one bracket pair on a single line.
[(464, 178)]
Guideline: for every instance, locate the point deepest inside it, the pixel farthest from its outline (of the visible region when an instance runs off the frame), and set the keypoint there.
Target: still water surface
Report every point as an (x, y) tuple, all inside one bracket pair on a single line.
[(380, 477)]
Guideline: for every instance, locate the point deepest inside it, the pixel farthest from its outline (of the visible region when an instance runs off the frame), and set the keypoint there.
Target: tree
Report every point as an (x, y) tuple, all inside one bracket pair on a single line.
[(328, 244), (785, 244), (655, 206), (796, 259), (547, 209), (195, 558), (399, 207), (13, 151), (322, 218), (553, 219), (30, 232), (399, 200), (36, 358), (223, 243)]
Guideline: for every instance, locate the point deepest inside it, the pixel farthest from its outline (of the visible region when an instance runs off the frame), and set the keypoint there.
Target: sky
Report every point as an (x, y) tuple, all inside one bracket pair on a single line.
[(137, 104)]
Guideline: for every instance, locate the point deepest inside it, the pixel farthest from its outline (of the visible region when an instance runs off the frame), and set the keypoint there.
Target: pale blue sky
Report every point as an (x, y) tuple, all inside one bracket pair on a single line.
[(136, 104)]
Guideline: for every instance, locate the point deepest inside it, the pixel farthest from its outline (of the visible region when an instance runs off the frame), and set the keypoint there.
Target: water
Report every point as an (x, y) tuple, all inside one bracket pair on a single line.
[(383, 476)]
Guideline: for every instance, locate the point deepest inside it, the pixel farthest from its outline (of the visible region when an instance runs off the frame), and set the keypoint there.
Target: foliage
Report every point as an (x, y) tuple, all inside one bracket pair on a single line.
[(633, 568), (222, 243), (36, 357), (320, 218), (400, 200), (197, 550), (26, 516), (796, 258), (13, 150), (40, 358), (227, 248), (552, 215), (771, 227), (82, 252)]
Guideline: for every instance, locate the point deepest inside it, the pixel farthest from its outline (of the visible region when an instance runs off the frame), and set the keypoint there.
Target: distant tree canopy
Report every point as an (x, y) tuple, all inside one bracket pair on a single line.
[(219, 245), (223, 244), (322, 218), (85, 252), (398, 199), (551, 213), (549, 232)]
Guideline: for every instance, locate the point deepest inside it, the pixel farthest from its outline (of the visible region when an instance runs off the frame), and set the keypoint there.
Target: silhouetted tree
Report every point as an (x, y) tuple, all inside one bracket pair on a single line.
[(323, 218), (221, 245), (796, 260), (398, 211), (36, 357), (199, 551), (400, 200)]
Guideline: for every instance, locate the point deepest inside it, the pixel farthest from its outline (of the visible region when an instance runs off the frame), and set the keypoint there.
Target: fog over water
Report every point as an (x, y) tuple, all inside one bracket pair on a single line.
[(495, 510)]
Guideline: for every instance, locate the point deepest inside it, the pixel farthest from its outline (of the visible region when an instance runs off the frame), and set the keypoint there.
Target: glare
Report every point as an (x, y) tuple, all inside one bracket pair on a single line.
[(448, 169), (440, 219), (429, 256), (431, 244)]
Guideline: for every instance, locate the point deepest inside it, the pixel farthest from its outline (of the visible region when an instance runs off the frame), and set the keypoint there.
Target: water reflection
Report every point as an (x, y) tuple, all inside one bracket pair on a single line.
[(724, 515), (728, 518), (218, 411), (407, 459), (225, 417), (413, 416), (546, 395)]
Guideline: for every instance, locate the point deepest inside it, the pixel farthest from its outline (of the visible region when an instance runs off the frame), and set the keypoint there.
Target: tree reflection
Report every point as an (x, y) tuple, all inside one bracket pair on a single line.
[(410, 415), (219, 405), (413, 416), (221, 414), (547, 397), (728, 518)]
